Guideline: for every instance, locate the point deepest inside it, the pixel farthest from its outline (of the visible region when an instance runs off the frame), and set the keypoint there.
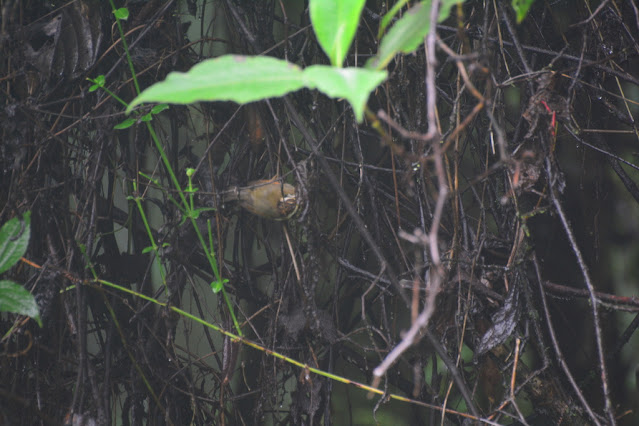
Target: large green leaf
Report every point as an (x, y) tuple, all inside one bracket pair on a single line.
[(14, 239), (335, 23), (248, 79), (241, 79), (15, 298), (408, 32)]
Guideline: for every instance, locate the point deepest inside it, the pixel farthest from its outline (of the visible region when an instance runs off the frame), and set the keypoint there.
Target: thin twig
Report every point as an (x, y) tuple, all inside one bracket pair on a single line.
[(555, 345), (594, 302)]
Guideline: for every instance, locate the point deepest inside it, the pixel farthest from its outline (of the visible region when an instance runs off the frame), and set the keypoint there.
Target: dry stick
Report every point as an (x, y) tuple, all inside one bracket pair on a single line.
[(436, 270), (571, 89), (627, 181), (594, 302), (290, 249), (454, 371), (518, 48), (603, 151), (555, 345), (621, 303), (431, 240), (591, 17), (513, 381)]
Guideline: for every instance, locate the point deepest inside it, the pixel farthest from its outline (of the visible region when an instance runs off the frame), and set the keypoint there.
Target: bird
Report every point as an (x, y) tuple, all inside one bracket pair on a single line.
[(266, 198)]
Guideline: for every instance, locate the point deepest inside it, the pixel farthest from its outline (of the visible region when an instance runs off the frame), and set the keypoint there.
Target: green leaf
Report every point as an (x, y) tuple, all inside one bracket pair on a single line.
[(335, 23), (521, 8), (14, 239), (99, 81), (159, 108), (125, 124), (248, 79), (241, 79), (121, 13), (216, 286), (15, 298), (148, 249), (353, 84), (389, 17), (408, 32)]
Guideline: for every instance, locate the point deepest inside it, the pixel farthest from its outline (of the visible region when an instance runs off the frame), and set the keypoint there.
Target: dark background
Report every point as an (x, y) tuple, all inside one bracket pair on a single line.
[(558, 93)]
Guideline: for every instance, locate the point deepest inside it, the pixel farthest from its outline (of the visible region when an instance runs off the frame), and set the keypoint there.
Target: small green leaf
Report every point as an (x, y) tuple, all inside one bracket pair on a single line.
[(121, 13), (335, 23), (159, 108), (147, 249), (146, 117), (98, 82), (217, 286), (15, 298), (14, 239), (125, 124), (521, 8)]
